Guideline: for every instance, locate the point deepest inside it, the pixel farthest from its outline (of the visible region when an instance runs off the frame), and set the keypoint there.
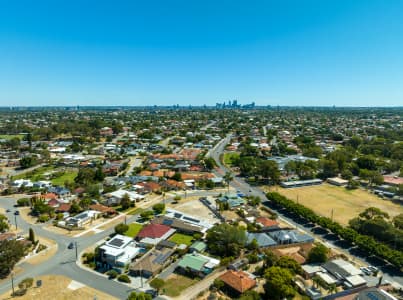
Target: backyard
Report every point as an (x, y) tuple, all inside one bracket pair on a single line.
[(180, 238), (346, 204)]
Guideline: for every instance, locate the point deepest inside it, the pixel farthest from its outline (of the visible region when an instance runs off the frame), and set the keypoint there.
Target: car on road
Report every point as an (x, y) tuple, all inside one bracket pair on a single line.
[(71, 246), (16, 213), (8, 210), (366, 271)]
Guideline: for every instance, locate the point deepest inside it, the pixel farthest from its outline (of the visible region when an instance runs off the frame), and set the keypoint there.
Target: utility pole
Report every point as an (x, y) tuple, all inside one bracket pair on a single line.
[(15, 219), (76, 250), (12, 282), (331, 215), (141, 277)]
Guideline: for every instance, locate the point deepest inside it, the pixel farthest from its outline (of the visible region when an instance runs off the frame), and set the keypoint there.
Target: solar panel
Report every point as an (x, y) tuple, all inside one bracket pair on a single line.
[(116, 242), (191, 219), (167, 222), (161, 258)]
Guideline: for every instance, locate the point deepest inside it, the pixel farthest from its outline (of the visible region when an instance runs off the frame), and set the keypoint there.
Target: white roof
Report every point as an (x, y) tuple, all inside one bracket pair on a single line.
[(120, 193), (356, 280), (347, 266), (311, 269), (327, 278)]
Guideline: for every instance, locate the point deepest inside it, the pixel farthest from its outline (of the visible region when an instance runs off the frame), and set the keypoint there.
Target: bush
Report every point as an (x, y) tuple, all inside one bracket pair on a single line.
[(124, 278), (23, 202), (112, 274), (26, 283), (121, 228), (177, 198), (43, 218)]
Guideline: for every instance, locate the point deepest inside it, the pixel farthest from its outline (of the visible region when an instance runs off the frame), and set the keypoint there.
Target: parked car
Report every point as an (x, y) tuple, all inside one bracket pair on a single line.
[(366, 271), (373, 269)]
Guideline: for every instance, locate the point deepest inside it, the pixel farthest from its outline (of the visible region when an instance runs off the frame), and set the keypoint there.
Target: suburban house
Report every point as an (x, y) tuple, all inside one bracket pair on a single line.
[(115, 197), (152, 262), (119, 251), (152, 234), (197, 264), (266, 223), (82, 218), (106, 211), (198, 246), (286, 236), (237, 282), (342, 271), (263, 240), (205, 225), (337, 181), (233, 200), (178, 224)]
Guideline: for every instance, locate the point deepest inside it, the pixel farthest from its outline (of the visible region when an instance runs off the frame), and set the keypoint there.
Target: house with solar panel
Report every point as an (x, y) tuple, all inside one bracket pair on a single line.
[(152, 262), (119, 251)]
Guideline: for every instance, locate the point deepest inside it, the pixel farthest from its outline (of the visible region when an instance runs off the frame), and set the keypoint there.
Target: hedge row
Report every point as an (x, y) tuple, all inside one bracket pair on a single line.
[(364, 242)]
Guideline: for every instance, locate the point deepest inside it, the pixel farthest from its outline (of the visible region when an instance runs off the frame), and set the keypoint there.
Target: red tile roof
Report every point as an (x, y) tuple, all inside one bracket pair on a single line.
[(393, 180), (64, 207), (266, 222), (153, 231), (238, 280)]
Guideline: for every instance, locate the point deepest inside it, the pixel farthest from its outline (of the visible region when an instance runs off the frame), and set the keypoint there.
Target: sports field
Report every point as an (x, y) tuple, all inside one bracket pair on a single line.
[(346, 204)]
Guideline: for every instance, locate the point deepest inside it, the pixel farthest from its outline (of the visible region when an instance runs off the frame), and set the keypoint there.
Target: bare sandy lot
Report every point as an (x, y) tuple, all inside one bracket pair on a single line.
[(192, 206), (346, 204), (44, 254), (60, 288)]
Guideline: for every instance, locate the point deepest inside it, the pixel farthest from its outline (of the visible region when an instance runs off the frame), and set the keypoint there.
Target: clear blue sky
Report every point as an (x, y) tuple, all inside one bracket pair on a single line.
[(343, 53)]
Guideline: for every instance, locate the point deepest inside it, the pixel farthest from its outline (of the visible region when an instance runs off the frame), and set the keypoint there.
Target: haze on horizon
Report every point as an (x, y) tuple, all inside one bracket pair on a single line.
[(303, 53)]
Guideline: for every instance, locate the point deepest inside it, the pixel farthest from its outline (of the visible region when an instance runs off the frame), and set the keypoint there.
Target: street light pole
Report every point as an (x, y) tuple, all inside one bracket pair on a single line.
[(76, 251)]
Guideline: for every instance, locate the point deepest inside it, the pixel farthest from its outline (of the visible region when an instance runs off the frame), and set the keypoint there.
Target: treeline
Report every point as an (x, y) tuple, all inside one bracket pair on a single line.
[(364, 242)]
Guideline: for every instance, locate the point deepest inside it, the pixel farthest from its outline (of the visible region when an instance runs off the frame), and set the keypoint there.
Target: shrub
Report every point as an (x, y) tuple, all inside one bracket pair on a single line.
[(23, 202), (26, 283), (112, 274), (121, 228), (124, 278), (43, 218)]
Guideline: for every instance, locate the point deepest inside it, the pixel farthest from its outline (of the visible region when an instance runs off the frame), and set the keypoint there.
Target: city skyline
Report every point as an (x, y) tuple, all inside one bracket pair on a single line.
[(291, 53)]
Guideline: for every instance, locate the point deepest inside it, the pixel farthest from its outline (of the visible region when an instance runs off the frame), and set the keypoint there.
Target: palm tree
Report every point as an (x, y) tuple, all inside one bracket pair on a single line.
[(228, 178)]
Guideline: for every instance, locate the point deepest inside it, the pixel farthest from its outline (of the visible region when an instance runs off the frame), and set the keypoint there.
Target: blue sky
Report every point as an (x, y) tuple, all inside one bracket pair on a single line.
[(343, 53)]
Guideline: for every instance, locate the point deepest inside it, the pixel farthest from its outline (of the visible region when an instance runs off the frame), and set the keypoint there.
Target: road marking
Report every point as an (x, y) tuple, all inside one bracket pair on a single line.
[(75, 285)]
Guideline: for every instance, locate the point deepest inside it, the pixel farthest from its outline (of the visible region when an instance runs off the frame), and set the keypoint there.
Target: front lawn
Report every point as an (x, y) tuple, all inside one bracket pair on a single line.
[(175, 284), (180, 238), (134, 229)]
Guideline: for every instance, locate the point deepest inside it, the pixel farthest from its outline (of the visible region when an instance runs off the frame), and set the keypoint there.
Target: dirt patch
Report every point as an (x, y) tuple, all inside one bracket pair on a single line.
[(56, 287), (192, 206), (25, 214), (44, 254), (346, 204)]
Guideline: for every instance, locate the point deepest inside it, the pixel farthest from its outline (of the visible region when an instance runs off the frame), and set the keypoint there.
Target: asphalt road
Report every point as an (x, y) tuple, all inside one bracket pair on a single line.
[(389, 273)]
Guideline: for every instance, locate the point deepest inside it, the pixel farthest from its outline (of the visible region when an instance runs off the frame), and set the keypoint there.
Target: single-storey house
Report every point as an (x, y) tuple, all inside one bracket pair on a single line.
[(197, 264), (262, 239), (237, 282), (152, 262), (152, 234)]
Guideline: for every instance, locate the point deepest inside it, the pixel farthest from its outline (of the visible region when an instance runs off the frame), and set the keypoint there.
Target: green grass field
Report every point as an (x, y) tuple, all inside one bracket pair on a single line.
[(229, 158), (67, 176), (34, 175), (134, 229), (11, 136), (180, 238)]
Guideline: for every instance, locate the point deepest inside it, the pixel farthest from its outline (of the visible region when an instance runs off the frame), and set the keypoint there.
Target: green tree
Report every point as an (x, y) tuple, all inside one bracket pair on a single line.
[(125, 201), (147, 215), (398, 221), (289, 263), (3, 223), (226, 240), (11, 252), (159, 208), (228, 178), (318, 254), (75, 208), (279, 283), (27, 162), (31, 236), (121, 228), (250, 295), (157, 283)]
